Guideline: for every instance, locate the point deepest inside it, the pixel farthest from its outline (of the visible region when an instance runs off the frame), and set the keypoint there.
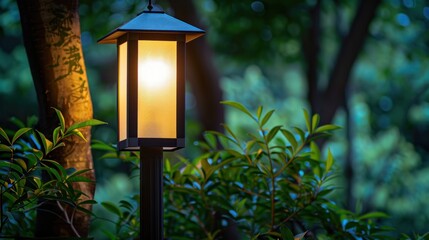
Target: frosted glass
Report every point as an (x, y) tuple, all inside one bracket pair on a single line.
[(157, 89), (122, 91)]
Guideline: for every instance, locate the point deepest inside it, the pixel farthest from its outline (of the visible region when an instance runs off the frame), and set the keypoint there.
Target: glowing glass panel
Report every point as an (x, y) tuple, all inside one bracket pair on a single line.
[(122, 91), (157, 89)]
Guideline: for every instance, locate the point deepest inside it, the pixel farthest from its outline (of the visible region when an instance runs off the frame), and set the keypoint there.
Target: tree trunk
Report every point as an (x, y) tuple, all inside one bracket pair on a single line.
[(51, 31), (333, 97), (201, 72), (326, 101)]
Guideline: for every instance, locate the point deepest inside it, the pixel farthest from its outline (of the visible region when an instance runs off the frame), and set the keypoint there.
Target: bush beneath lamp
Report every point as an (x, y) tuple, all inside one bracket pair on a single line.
[(226, 193)]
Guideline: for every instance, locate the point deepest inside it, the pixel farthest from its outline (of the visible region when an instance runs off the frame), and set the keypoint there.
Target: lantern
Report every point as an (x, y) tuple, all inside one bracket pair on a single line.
[(151, 80)]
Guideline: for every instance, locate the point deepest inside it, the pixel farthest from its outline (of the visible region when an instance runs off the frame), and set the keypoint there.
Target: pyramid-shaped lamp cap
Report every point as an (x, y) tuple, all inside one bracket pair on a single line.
[(154, 21)]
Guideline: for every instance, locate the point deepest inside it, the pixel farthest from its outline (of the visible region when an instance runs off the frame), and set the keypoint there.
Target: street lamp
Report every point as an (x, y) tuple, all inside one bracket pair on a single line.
[(151, 100)]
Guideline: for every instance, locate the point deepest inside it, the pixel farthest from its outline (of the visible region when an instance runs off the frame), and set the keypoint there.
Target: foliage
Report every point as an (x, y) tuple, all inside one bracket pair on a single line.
[(270, 184), (24, 156)]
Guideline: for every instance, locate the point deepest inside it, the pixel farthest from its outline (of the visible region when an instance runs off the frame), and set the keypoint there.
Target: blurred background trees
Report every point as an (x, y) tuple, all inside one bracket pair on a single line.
[(360, 64)]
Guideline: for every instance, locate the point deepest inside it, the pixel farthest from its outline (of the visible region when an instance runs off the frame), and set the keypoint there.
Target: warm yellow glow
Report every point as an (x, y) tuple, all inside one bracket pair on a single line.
[(122, 91), (157, 89), (158, 73)]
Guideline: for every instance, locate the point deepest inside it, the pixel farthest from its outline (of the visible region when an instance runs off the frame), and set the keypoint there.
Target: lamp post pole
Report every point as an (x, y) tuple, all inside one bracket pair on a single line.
[(151, 187), (151, 118)]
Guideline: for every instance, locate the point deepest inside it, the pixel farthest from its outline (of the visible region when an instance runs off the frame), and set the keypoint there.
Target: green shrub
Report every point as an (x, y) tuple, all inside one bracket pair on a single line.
[(24, 156), (272, 183)]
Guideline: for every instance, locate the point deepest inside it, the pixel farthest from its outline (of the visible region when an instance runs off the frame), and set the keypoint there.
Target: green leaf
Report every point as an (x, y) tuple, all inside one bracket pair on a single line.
[(234, 138), (79, 179), (267, 117), (91, 122), (21, 163), (259, 112), (20, 186), (210, 140), (55, 135), (4, 135), (47, 145), (77, 133), (315, 151), (325, 128), (10, 165), (289, 136), (286, 234), (223, 163), (86, 211), (110, 155), (329, 161), (38, 182), (373, 215), (80, 172), (190, 166), (38, 153), (272, 133), (19, 133), (61, 119), (240, 107), (32, 159), (5, 148), (58, 166), (300, 133), (315, 122), (9, 196), (167, 165), (206, 167), (100, 145), (112, 208), (263, 169), (307, 120), (52, 172)]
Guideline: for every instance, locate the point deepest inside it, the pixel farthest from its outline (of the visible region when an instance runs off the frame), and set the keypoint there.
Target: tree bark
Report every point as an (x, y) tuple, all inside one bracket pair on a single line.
[(51, 31), (201, 73)]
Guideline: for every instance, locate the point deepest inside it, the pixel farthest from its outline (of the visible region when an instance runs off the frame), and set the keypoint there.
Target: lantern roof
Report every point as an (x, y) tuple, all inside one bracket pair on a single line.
[(154, 22)]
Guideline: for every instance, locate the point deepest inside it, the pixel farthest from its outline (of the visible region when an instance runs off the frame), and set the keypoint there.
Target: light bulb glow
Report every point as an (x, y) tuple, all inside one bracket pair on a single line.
[(157, 73), (157, 89)]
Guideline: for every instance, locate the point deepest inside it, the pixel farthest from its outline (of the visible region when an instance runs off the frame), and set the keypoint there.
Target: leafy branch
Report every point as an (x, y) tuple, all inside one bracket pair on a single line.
[(23, 159)]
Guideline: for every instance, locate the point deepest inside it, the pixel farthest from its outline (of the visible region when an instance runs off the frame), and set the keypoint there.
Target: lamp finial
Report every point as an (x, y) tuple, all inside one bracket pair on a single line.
[(149, 6)]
